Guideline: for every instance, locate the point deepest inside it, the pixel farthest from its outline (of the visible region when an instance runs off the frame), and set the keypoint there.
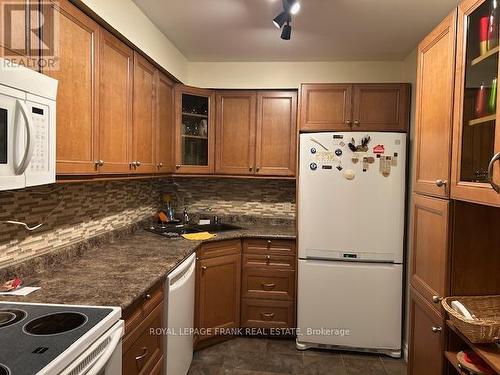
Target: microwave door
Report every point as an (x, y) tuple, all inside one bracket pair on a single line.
[(10, 142)]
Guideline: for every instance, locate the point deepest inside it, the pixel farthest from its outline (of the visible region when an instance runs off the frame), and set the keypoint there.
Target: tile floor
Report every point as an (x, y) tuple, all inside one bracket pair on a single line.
[(260, 356)]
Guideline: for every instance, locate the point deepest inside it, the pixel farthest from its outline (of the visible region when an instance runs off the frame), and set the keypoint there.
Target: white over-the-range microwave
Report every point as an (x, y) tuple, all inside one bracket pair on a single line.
[(27, 127)]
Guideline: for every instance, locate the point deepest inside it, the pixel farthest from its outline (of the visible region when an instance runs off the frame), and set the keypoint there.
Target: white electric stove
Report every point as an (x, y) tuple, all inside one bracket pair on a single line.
[(45, 339)]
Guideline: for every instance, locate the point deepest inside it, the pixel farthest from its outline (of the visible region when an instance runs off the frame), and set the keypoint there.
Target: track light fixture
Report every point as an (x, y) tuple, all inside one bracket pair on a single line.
[(290, 7), (287, 31), (280, 20)]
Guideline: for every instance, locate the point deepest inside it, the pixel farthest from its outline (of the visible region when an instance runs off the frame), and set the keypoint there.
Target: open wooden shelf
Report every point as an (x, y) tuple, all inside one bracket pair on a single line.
[(194, 136), (452, 358), (482, 120), (194, 115), (490, 353), (490, 53)]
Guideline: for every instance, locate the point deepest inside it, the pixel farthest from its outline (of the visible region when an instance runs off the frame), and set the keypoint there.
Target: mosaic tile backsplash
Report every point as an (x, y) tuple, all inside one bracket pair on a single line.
[(74, 212)]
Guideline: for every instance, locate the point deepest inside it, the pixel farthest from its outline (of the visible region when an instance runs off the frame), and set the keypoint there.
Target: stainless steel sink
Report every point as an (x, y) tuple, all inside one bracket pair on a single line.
[(175, 230)]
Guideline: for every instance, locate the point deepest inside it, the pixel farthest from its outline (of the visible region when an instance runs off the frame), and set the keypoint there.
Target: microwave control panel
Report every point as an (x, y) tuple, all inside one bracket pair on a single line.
[(40, 123)]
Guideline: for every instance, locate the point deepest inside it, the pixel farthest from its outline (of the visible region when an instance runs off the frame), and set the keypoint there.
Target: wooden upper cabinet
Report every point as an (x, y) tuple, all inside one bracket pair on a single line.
[(430, 244), (380, 107), (194, 130), (427, 338), (144, 116), (165, 125), (325, 107), (77, 121), (434, 109), (20, 33), (235, 132), (363, 107), (276, 139), (475, 174), (115, 104)]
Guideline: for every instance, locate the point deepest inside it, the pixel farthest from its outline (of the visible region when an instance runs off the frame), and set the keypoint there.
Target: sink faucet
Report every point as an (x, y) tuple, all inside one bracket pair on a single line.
[(185, 216)]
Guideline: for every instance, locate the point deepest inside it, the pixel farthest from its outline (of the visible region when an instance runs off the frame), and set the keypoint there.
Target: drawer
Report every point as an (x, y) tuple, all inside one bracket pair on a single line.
[(219, 248), (277, 247), (141, 308), (268, 284), (269, 261), (141, 350), (258, 313)]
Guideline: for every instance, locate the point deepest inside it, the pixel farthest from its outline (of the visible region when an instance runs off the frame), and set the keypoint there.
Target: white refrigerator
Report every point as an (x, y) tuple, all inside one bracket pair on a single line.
[(351, 218)]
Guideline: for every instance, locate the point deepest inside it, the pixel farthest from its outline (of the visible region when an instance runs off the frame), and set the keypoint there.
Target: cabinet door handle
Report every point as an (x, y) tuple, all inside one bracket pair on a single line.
[(269, 242), (356, 123), (437, 299), (138, 163), (268, 259), (267, 316), (133, 164), (257, 169), (441, 183), (147, 296), (178, 166), (160, 165), (490, 172), (348, 123), (145, 352), (204, 268), (99, 163), (268, 286), (250, 169), (436, 329)]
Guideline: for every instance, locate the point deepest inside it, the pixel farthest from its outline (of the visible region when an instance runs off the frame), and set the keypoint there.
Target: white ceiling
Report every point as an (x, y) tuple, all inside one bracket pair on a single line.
[(324, 30)]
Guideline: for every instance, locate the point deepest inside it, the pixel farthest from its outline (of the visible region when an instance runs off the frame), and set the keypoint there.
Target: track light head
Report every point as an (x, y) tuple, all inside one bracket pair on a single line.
[(287, 31), (280, 20)]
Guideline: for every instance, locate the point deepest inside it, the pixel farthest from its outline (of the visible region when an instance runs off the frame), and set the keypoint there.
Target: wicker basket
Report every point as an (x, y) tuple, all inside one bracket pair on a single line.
[(484, 329)]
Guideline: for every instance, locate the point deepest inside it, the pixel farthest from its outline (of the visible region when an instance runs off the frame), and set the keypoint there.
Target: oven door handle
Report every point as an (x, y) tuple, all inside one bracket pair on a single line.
[(101, 362), (28, 152)]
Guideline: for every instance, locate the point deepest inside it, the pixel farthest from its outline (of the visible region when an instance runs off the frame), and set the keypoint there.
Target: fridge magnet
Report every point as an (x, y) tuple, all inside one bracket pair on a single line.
[(349, 174), (385, 166), (338, 152), (370, 160), (379, 149), (342, 144), (339, 167), (363, 147), (394, 160), (355, 159), (397, 142), (365, 164)]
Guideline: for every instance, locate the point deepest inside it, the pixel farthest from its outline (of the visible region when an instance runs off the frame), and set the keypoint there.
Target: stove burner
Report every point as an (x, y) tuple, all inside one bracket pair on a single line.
[(9, 317), (54, 324), (4, 370)]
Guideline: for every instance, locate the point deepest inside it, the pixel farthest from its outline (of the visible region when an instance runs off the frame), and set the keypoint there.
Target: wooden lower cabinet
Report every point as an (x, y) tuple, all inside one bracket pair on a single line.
[(430, 248), (268, 284), (427, 338), (218, 284), (142, 351)]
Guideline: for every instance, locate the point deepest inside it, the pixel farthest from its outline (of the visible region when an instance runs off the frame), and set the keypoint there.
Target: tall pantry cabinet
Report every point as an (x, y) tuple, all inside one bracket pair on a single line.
[(455, 204)]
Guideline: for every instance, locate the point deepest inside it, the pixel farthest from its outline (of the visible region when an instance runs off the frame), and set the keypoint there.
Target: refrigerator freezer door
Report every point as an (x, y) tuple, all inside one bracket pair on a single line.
[(351, 203), (348, 304)]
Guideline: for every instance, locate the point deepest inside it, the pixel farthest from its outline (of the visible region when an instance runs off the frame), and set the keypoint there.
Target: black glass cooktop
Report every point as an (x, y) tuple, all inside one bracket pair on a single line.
[(32, 336)]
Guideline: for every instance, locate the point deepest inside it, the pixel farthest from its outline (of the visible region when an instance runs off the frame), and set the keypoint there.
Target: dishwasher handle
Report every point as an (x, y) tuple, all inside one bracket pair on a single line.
[(182, 273)]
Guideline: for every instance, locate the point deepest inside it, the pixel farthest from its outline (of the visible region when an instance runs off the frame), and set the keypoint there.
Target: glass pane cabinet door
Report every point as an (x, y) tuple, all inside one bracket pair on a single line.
[(477, 60), (194, 131)]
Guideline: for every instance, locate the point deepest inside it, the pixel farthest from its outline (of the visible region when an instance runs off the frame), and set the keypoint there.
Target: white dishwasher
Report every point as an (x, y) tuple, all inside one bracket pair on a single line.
[(179, 316)]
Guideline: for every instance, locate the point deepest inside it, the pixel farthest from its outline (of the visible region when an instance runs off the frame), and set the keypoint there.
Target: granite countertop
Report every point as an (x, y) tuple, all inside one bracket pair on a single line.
[(119, 271)]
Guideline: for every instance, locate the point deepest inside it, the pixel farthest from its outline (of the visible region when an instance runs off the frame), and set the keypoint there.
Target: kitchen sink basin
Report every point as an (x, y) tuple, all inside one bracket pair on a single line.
[(216, 227), (175, 230)]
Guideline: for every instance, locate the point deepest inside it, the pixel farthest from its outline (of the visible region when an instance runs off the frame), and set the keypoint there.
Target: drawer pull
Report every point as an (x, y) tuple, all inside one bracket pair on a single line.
[(147, 296), (437, 299), (268, 286), (268, 259), (436, 329), (267, 316), (269, 243), (145, 352)]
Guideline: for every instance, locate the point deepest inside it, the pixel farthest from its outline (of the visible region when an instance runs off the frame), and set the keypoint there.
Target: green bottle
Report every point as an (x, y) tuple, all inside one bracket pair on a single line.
[(492, 102)]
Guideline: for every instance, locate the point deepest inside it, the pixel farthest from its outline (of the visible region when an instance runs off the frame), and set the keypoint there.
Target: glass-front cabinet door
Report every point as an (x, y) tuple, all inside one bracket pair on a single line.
[(194, 131), (476, 170)]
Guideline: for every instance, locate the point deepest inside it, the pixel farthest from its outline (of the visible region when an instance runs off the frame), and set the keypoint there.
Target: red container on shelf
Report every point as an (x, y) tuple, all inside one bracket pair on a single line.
[(481, 105), (484, 24)]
